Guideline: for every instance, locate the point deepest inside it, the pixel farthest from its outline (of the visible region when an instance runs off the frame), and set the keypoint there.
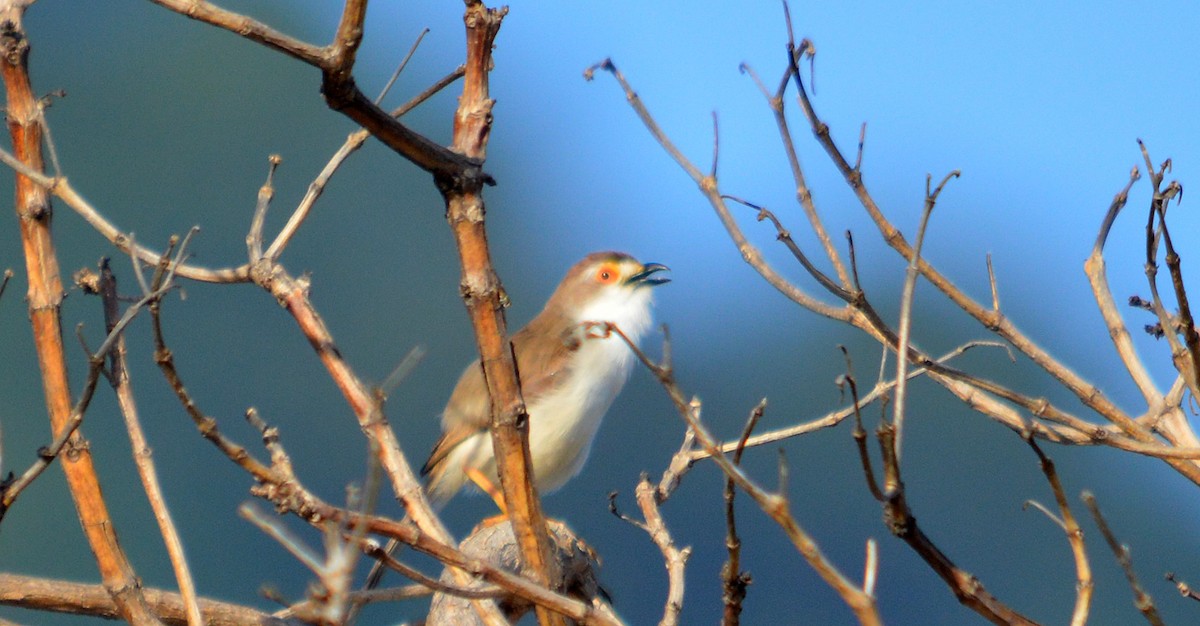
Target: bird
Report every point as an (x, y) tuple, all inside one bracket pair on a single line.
[(571, 369)]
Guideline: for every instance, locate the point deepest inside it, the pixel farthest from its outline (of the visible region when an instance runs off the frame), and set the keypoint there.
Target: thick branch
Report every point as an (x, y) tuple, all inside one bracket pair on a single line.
[(482, 294), (24, 117), (60, 596)]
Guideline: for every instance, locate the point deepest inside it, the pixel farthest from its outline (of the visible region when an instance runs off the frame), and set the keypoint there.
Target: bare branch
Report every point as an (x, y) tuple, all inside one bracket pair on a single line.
[(400, 68), (1184, 589), (25, 122), (119, 377), (708, 187), (60, 596), (775, 505), (1141, 599), (906, 304), (351, 145), (733, 580), (676, 558), (1084, 585), (898, 516), (265, 193)]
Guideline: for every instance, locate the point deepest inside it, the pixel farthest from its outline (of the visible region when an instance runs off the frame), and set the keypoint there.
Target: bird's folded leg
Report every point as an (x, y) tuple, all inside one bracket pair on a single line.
[(486, 485)]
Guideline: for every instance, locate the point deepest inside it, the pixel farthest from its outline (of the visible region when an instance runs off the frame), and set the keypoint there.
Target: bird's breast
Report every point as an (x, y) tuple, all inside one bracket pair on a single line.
[(563, 422)]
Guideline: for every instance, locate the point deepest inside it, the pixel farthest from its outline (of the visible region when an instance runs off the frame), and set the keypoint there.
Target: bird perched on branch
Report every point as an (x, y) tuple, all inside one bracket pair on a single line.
[(571, 367)]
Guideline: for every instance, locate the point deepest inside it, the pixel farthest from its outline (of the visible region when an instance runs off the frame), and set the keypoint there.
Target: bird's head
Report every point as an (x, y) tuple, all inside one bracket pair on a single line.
[(609, 287)]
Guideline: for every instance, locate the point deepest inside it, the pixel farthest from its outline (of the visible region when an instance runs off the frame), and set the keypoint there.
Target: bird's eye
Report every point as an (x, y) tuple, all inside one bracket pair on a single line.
[(606, 274)]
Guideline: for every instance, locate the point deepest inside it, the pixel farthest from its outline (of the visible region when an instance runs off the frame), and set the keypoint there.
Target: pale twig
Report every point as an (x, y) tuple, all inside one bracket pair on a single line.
[(1097, 274), (708, 187), (680, 463), (47, 594), (775, 505), (62, 190), (712, 172), (833, 418), (402, 370), (1084, 586), (906, 305), (353, 142), (281, 534), (676, 558), (992, 283), (143, 460), (10, 490), (393, 594), (1141, 599), (1184, 589), (137, 269), (265, 194), (334, 570), (871, 568), (400, 68)]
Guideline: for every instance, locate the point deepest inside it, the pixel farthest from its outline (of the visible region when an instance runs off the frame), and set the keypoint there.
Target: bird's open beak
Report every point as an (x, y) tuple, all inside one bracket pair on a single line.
[(647, 275)]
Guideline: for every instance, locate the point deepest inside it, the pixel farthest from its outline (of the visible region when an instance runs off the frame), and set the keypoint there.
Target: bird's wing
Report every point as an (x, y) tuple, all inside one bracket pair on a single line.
[(545, 363), (542, 364), (466, 414)]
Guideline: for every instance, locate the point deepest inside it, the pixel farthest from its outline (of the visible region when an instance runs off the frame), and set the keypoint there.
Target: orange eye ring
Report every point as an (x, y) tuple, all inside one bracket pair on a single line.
[(607, 274)]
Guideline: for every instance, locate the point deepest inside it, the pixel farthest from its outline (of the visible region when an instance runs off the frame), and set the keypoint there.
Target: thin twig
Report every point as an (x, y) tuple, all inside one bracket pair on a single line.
[(906, 304), (8, 274), (733, 580), (899, 518), (265, 194), (1184, 589), (775, 505), (708, 187), (676, 558), (403, 369), (400, 68), (143, 459), (353, 142), (1084, 585), (1141, 599), (833, 418), (859, 433), (11, 490)]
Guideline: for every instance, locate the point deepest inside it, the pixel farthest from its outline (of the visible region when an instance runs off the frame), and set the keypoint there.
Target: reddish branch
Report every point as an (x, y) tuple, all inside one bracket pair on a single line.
[(24, 116), (482, 292)]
